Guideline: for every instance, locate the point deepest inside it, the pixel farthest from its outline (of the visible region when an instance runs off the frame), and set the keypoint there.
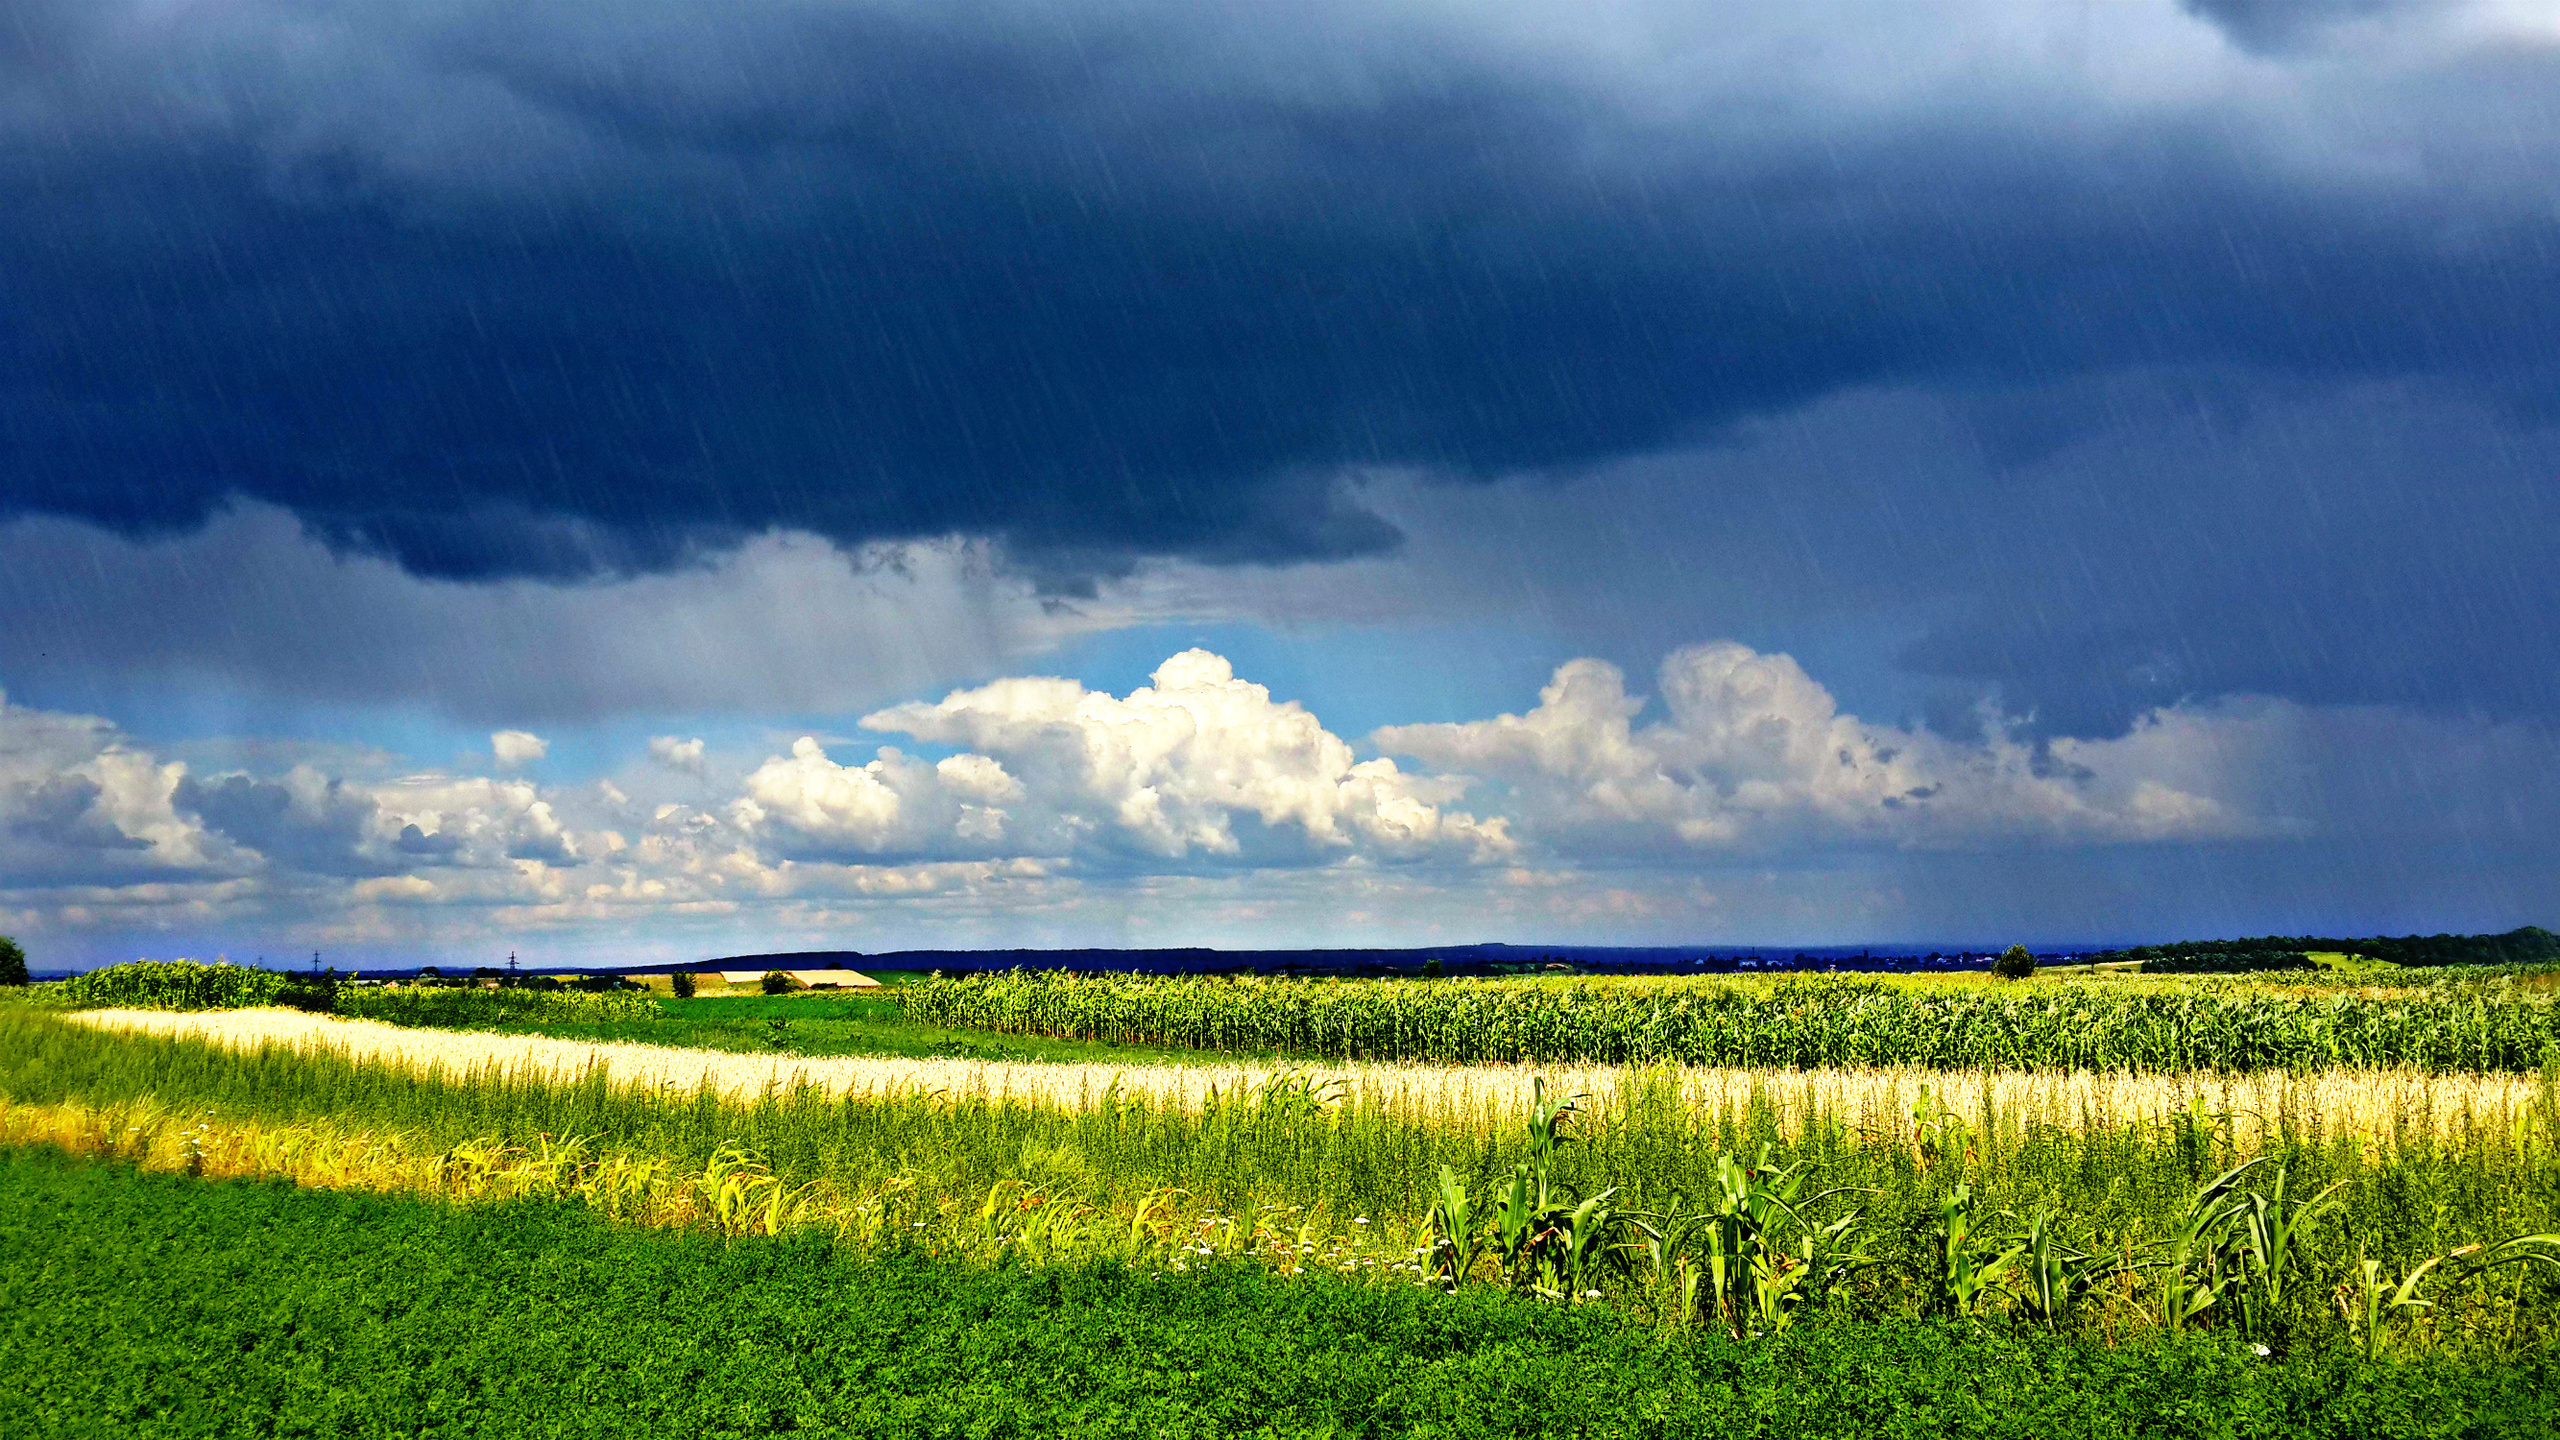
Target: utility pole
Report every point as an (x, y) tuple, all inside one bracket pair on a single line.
[(315, 962), (511, 962)]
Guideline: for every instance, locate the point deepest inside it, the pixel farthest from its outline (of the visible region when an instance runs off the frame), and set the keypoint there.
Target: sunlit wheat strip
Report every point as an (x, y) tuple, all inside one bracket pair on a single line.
[(2380, 1104)]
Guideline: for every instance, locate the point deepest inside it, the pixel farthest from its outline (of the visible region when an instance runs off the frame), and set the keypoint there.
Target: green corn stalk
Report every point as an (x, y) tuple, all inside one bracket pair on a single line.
[(1968, 1272), (1524, 1225), (2270, 1230), (1593, 1240), (1456, 1241), (2367, 1300), (1743, 1273), (2200, 1266), (2054, 1278)]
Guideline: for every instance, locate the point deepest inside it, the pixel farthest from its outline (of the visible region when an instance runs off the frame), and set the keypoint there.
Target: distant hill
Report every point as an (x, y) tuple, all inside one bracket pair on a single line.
[(1451, 960), (2529, 945)]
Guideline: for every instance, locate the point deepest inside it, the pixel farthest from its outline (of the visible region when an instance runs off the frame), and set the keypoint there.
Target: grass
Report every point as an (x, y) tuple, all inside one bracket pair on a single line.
[(2253, 1108), (1297, 1177), (745, 1021), (146, 1305)]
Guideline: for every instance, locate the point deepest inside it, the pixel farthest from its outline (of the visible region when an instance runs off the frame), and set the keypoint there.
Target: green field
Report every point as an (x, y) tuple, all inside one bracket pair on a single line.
[(134, 1304), (835, 1023), (1302, 1178), (496, 1251), (2470, 1022)]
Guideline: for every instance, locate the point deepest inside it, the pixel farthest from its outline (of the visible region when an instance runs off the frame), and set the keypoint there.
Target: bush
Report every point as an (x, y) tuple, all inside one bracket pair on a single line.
[(778, 983), (13, 962), (2015, 963), (681, 983)]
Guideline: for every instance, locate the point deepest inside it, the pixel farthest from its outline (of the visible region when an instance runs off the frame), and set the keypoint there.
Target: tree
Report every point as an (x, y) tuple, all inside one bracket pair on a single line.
[(2015, 963), (781, 982), (681, 982), (13, 962)]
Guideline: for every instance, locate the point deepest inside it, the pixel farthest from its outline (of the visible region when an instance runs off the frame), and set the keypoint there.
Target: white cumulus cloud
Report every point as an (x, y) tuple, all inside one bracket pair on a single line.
[(1199, 764), (1755, 752), (517, 747), (675, 754)]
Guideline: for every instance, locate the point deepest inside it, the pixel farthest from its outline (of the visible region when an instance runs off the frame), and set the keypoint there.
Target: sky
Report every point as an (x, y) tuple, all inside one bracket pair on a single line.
[(656, 479)]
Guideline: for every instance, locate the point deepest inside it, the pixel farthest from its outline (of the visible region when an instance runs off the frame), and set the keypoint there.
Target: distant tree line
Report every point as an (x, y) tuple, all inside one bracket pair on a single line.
[(2528, 946)]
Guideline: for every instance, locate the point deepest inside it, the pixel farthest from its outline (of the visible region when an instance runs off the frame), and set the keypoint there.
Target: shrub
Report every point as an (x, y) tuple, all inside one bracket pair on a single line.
[(2015, 963), (317, 993), (681, 983), (778, 983), (13, 962)]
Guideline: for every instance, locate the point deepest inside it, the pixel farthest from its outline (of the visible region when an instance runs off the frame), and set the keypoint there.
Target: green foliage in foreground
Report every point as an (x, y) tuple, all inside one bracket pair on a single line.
[(141, 1305), (1365, 1174), (1802, 1023)]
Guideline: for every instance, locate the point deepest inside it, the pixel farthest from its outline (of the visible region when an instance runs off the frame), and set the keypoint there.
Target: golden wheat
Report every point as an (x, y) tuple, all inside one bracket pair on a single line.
[(2382, 1105)]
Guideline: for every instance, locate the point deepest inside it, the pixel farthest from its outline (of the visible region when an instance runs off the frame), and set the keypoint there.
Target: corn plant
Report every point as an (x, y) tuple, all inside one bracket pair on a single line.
[(2368, 1300), (2269, 1230), (1551, 1240), (1967, 1269), (2200, 1265), (1527, 1217), (1456, 1240), (1803, 1023), (1735, 1261), (2052, 1277)]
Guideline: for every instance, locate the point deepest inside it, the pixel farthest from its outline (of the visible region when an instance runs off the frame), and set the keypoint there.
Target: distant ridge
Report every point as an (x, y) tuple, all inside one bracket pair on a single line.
[(1456, 959)]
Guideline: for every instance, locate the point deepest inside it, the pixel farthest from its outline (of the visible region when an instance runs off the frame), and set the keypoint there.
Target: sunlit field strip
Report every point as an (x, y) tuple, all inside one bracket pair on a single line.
[(2391, 1106)]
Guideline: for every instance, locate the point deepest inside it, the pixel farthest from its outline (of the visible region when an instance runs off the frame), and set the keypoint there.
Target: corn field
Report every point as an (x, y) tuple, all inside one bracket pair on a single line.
[(1748, 1214), (2252, 1110), (187, 985), (1808, 1023), (170, 985)]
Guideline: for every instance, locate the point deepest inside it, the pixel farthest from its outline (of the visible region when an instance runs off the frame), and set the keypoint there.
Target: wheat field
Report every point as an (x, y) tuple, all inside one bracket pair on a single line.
[(2391, 1106)]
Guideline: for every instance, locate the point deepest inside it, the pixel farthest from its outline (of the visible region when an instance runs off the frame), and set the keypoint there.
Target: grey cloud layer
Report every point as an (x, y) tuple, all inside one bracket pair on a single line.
[(561, 293)]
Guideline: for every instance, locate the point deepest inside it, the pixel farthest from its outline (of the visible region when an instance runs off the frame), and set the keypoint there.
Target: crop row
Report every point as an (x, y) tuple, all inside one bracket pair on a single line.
[(188, 985), (1805, 1024), (1664, 1206), (141, 1304)]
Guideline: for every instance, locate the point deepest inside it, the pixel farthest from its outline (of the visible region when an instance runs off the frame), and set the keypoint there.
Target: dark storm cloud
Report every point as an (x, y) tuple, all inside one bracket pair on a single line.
[(585, 295), (497, 296), (2274, 25)]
